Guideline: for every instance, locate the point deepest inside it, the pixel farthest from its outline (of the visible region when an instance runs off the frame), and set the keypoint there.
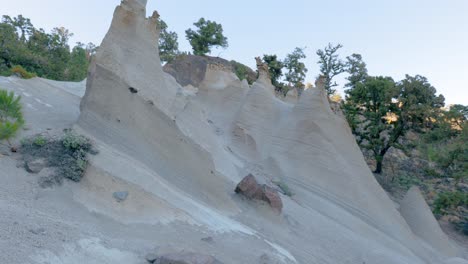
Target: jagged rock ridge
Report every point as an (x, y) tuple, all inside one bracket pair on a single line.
[(189, 147)]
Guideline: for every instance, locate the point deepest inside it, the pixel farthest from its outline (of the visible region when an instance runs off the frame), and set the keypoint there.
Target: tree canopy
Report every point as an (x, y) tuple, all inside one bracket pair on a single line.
[(296, 69), (381, 111), (209, 34), (330, 65), (168, 44), (275, 68), (48, 55), (11, 117)]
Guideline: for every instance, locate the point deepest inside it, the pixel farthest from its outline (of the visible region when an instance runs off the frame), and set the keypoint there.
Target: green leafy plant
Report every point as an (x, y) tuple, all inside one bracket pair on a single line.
[(47, 54), (330, 66), (168, 44), (208, 34), (39, 141), (11, 116), (74, 142)]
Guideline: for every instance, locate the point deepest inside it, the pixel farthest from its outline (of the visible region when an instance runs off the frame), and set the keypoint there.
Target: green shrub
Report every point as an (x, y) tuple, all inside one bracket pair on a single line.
[(74, 142), (11, 116), (68, 155), (22, 72), (449, 200), (40, 141)]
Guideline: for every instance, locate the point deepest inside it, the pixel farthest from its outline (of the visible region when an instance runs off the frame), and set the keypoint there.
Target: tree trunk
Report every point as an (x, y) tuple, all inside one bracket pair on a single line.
[(378, 166), (378, 162)]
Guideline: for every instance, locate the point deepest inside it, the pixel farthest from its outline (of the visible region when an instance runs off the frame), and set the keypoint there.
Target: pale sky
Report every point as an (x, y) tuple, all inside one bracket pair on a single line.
[(398, 37)]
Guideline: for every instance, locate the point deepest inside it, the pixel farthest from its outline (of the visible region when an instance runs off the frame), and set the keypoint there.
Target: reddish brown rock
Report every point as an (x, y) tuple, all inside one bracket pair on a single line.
[(250, 188), (272, 197)]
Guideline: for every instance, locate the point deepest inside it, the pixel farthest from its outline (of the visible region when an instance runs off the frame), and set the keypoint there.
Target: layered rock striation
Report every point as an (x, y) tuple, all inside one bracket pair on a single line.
[(190, 146)]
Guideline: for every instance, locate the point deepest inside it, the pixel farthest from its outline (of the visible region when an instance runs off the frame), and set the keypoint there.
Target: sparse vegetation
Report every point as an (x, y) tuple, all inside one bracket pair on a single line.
[(284, 188), (450, 200), (240, 70), (39, 140), (68, 155)]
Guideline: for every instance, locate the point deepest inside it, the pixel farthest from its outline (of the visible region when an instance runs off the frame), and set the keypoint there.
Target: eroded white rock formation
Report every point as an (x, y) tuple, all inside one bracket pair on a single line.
[(419, 217), (189, 148)]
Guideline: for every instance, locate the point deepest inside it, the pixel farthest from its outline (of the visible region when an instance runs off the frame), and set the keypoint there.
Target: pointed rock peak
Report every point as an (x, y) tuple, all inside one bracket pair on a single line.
[(320, 82), (263, 71), (135, 5)]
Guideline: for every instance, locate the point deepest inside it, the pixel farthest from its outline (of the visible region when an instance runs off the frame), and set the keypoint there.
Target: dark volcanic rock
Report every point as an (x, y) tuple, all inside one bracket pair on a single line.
[(191, 69)]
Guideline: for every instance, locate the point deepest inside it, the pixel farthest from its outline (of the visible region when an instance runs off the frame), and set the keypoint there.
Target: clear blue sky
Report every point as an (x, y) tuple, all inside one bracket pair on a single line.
[(398, 37)]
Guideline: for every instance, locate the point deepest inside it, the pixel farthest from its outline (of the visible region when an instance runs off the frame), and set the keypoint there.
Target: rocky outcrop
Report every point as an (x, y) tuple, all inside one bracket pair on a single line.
[(192, 70), (250, 188), (188, 145)]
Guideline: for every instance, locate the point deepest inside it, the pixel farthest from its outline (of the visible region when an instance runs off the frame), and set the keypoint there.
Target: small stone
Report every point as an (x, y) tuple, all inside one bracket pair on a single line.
[(207, 239), (151, 258), (120, 196), (38, 231), (35, 166)]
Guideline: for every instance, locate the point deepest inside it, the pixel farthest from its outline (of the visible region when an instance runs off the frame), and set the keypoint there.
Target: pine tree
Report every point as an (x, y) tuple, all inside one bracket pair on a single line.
[(11, 116)]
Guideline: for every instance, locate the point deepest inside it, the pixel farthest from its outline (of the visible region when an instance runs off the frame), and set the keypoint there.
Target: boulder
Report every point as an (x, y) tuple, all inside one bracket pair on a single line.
[(120, 196), (250, 188), (35, 166), (187, 258)]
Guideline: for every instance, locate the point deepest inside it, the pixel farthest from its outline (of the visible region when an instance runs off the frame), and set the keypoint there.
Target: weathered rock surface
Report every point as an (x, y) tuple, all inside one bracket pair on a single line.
[(187, 258), (419, 217), (151, 257), (252, 190), (188, 147), (35, 166)]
